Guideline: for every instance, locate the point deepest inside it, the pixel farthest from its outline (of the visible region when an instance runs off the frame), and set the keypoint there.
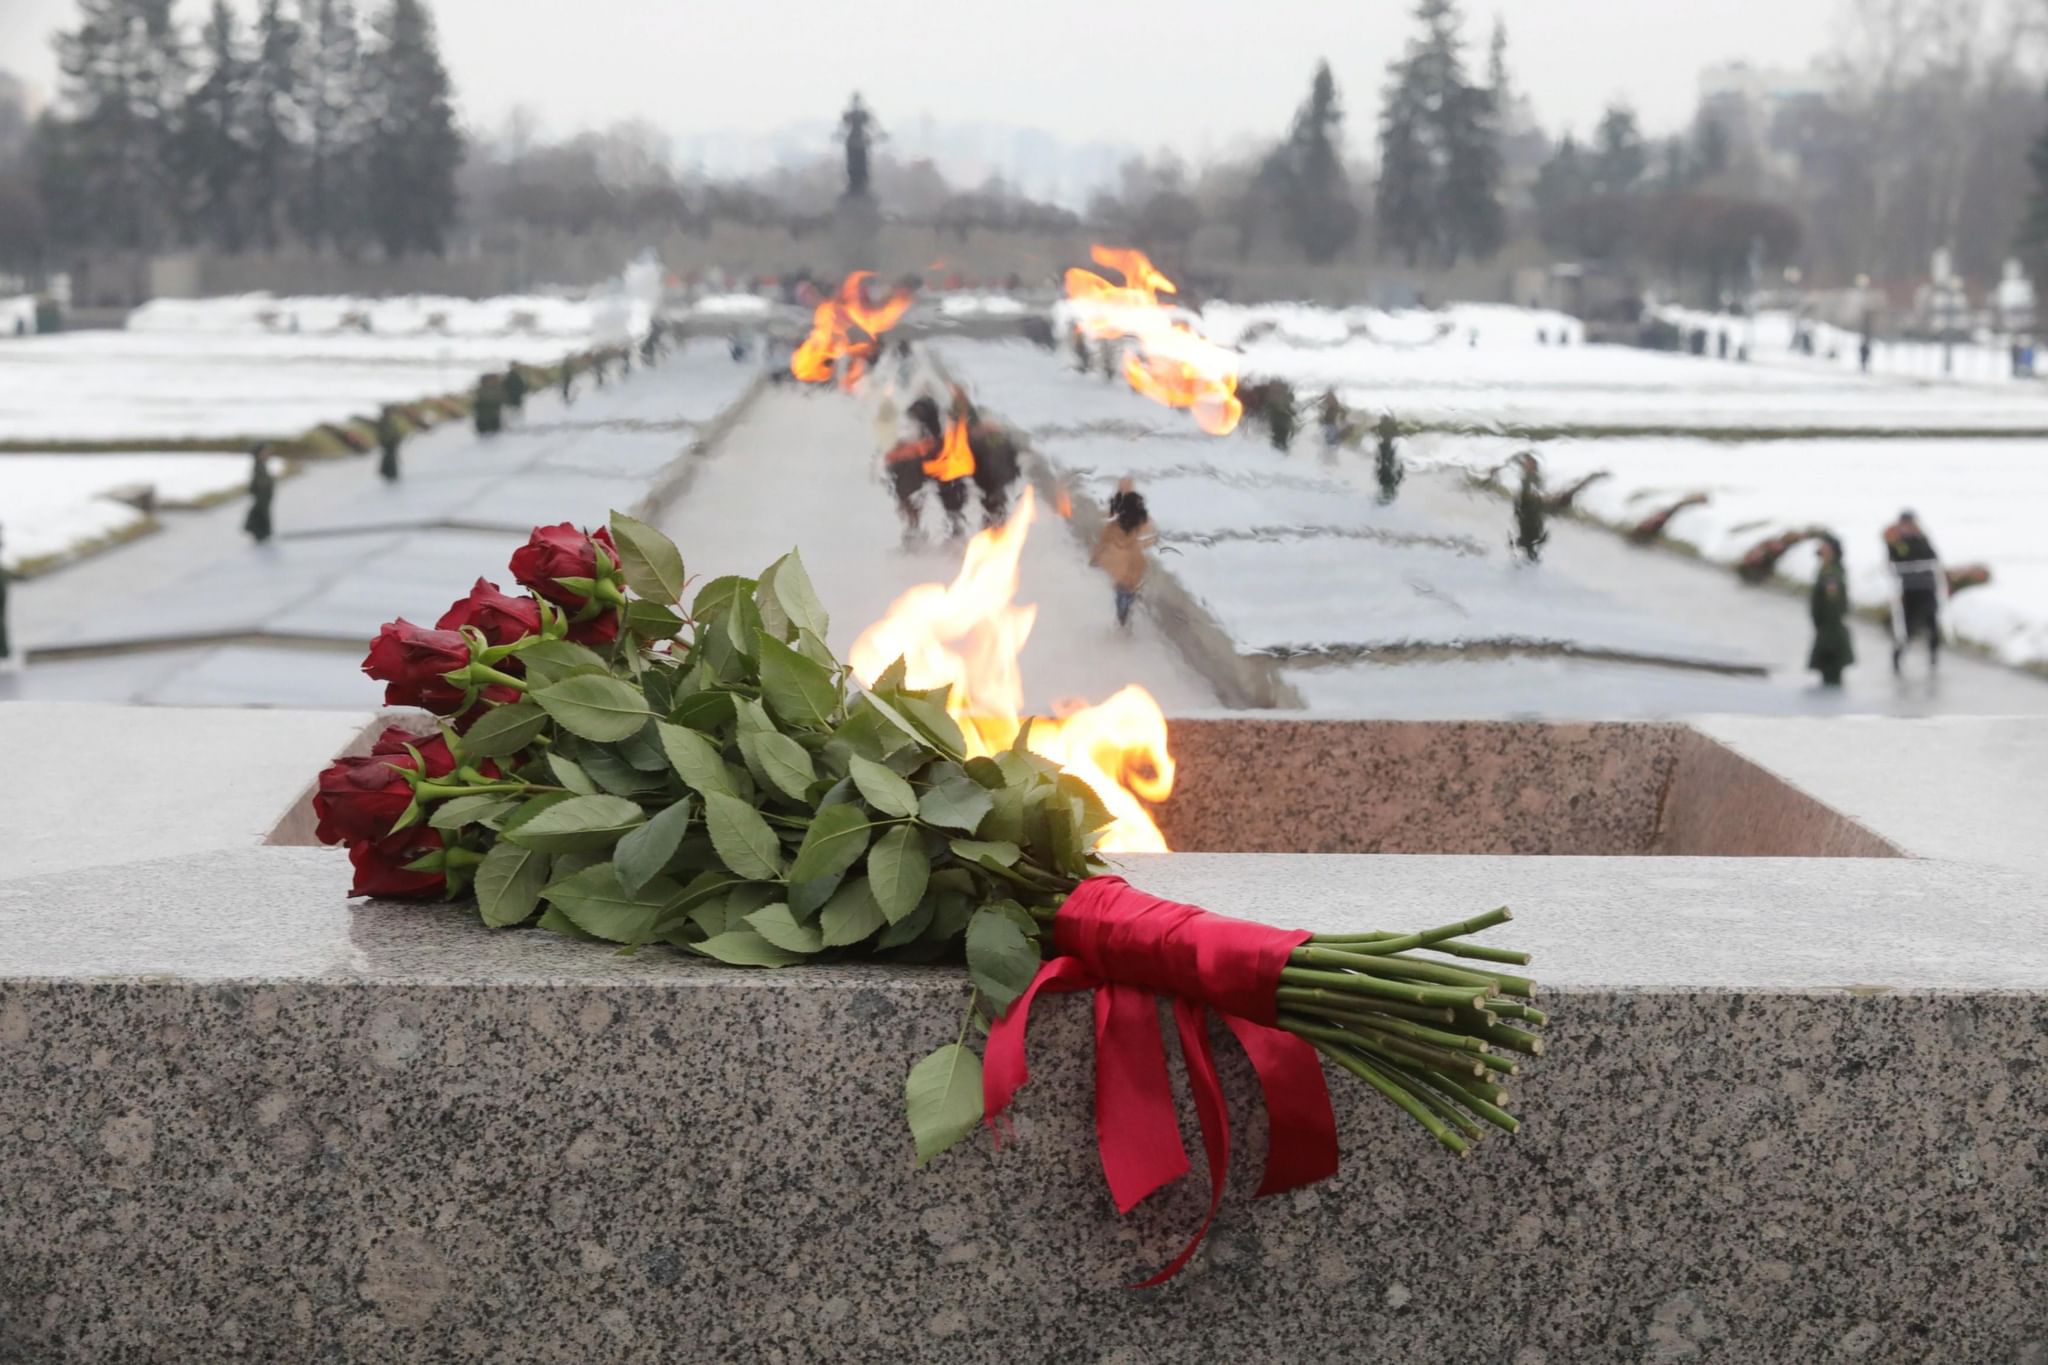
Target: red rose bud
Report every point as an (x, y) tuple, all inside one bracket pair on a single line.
[(600, 629), (360, 799), (554, 552), (413, 662), (380, 865), (501, 619)]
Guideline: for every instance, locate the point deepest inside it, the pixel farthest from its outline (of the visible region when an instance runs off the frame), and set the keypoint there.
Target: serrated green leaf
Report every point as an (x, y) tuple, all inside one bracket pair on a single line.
[(743, 627), (1000, 958), (503, 731), (817, 651), (716, 597), (807, 898), (468, 810), (776, 924), (746, 948), (578, 824), (930, 717), (898, 872), (894, 678), (836, 839), (987, 772), (851, 915), (798, 599), (696, 760), (531, 808), (785, 764), (600, 708), (652, 564), (1093, 813), (907, 929), (798, 690), (596, 903), (554, 920), (998, 851), (705, 711), (608, 768), (744, 841), (1005, 821), (958, 802), (550, 661), (644, 852), (942, 1099), (651, 620), (508, 884), (881, 788), (569, 775)]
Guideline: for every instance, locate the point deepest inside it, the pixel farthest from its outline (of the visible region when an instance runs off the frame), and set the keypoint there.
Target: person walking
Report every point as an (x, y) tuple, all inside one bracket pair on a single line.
[(7, 660), (1922, 587), (514, 388), (262, 489), (389, 434), (1123, 550), (1386, 465), (1833, 650), (489, 408), (904, 463), (567, 377), (1532, 511)]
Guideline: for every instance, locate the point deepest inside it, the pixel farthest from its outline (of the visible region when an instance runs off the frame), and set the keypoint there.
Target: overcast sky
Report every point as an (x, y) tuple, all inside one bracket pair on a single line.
[(1197, 75)]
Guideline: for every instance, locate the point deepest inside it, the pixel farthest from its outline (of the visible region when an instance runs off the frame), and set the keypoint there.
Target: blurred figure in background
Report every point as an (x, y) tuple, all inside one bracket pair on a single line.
[(1833, 650), (1386, 465), (7, 660), (489, 408), (568, 380), (262, 488), (1123, 551), (1921, 588), (1532, 511), (904, 463), (389, 433), (514, 388)]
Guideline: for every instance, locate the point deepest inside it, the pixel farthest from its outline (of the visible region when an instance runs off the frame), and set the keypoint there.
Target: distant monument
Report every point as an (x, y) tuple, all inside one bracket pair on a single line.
[(857, 220)]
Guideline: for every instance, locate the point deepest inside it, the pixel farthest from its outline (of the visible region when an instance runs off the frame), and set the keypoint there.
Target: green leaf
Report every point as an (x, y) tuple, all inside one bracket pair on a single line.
[(817, 651), (569, 775), (1005, 822), (743, 839), (643, 749), (706, 711), (555, 921), (746, 948), (550, 661), (779, 927), (958, 802), (998, 851), (785, 764), (902, 723), (508, 884), (799, 690), (1000, 958), (898, 872), (467, 810), (881, 788), (834, 842), (696, 759), (600, 708), (851, 915), (504, 730), (987, 772), (642, 854), (716, 597), (793, 592), (596, 903), (577, 824), (1094, 814), (942, 1099), (931, 718), (609, 769), (907, 929), (652, 564), (894, 678), (532, 808), (651, 620), (807, 898), (743, 626)]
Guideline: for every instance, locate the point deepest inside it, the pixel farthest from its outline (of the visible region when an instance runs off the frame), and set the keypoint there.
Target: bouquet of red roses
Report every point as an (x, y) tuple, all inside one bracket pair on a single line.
[(614, 765)]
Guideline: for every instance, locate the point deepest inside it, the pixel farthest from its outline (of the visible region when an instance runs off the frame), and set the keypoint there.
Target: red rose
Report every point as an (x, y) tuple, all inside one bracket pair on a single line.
[(554, 552), (380, 865), (600, 629), (411, 661), (501, 618), (361, 798)]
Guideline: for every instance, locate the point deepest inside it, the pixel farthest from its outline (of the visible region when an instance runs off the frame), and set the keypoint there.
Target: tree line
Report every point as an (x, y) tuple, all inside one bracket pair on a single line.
[(316, 126)]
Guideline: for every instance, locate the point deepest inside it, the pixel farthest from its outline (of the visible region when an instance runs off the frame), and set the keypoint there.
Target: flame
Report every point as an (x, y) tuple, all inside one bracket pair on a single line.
[(1173, 363), (833, 324), (967, 636), (955, 460)]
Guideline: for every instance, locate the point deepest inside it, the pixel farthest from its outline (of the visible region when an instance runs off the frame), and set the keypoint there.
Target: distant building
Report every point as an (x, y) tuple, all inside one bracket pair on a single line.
[(1761, 111)]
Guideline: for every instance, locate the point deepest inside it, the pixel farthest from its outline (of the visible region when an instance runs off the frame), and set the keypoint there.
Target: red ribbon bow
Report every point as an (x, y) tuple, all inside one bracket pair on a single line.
[(1127, 946)]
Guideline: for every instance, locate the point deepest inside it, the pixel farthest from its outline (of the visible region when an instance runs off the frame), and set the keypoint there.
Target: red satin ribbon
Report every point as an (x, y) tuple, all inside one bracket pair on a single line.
[(1126, 946)]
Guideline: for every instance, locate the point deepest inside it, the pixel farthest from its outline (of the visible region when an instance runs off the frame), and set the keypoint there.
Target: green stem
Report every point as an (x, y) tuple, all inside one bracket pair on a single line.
[(1416, 970), (1436, 1058), (1355, 983), (1304, 998), (1397, 943), (1394, 1091)]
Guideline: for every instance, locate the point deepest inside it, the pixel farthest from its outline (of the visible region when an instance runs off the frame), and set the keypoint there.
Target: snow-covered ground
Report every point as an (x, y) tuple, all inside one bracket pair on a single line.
[(52, 504), (1984, 360), (17, 316), (413, 315), (1981, 501)]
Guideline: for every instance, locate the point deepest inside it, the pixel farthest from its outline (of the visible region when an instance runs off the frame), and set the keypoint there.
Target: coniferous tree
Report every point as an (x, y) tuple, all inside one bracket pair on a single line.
[(270, 120), (414, 147), (1475, 224), (1306, 175), (2032, 239), (1619, 158), (212, 156), (124, 75), (1405, 202), (1440, 165), (329, 204)]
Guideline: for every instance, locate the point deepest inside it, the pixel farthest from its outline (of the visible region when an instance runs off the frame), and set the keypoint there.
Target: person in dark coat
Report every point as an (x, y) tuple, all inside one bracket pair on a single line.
[(1332, 418), (996, 466), (1532, 512), (390, 431), (514, 387), (567, 379), (1833, 650), (489, 408), (6, 650), (1123, 550), (1922, 585), (598, 362), (262, 489), (905, 463), (1386, 465)]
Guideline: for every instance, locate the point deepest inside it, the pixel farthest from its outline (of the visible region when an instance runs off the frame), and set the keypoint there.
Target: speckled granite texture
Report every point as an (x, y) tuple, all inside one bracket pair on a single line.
[(1305, 785)]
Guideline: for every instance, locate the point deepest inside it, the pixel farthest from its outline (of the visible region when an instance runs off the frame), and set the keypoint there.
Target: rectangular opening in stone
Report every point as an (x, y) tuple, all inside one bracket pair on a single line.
[(1274, 785)]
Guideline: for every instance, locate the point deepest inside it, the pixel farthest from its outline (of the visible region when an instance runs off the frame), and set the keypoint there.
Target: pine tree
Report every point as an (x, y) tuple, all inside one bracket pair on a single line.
[(124, 75), (2032, 240), (1619, 158), (270, 117), (1440, 164), (212, 156), (329, 205), (1305, 174), (414, 147)]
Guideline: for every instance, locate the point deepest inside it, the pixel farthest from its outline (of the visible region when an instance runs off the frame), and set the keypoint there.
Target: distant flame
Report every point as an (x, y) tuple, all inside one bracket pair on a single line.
[(832, 327), (1173, 363), (968, 635), (955, 459)]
